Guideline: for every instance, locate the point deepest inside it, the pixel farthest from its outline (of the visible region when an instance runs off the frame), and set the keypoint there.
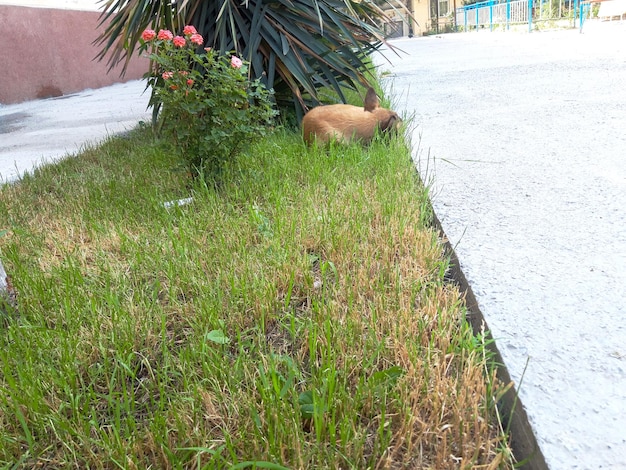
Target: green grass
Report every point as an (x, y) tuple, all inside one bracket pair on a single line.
[(294, 317)]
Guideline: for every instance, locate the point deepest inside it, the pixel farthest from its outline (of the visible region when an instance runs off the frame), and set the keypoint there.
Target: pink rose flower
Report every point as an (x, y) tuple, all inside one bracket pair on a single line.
[(236, 62), (189, 30), (190, 82), (196, 39), (148, 35), (179, 41), (167, 75), (165, 35)]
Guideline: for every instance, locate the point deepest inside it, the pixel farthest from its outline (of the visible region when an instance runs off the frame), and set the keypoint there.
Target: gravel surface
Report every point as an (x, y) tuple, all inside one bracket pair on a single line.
[(523, 139)]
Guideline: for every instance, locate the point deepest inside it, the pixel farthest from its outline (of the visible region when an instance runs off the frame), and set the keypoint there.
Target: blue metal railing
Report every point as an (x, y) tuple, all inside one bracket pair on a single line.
[(585, 11), (507, 12), (492, 12)]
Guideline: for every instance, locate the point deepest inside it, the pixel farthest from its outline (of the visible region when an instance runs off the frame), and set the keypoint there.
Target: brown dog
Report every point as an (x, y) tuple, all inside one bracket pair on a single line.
[(344, 122)]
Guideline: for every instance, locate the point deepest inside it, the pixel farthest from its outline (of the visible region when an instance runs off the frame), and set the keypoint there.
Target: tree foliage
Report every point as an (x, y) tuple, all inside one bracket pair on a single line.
[(294, 46)]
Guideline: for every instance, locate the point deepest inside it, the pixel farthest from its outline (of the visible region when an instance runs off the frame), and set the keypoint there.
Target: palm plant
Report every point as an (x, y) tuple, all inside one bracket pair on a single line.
[(294, 46)]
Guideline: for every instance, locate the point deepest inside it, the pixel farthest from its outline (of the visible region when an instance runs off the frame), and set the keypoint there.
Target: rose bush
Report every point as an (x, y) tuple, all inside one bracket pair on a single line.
[(206, 104)]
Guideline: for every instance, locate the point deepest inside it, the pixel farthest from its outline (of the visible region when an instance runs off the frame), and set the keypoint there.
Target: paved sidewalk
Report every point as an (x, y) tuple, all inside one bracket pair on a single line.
[(40, 131), (523, 140)]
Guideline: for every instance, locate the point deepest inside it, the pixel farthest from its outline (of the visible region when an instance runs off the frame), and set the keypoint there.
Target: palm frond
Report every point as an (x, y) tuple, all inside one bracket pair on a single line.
[(294, 46)]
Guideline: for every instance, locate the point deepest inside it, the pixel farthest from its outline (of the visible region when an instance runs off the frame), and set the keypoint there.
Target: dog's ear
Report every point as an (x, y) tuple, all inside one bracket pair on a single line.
[(371, 100)]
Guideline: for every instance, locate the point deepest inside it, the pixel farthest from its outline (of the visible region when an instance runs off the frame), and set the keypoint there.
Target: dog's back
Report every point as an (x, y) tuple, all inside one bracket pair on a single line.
[(344, 122)]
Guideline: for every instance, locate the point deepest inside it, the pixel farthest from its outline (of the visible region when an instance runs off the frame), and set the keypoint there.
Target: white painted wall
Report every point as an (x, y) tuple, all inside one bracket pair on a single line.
[(84, 5)]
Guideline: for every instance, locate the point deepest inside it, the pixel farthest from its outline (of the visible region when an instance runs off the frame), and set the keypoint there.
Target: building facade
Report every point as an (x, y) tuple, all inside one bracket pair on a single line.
[(422, 17)]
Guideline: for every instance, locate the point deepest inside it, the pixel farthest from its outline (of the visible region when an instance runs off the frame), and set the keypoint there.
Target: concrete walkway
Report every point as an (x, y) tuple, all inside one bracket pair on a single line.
[(523, 140), (40, 131)]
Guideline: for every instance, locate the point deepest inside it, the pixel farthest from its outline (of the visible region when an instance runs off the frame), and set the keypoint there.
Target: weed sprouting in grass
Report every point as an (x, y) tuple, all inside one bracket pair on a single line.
[(295, 317)]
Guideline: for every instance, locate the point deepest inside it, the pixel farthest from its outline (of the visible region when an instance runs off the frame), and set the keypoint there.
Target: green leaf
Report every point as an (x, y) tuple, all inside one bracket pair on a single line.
[(217, 336), (386, 376), (307, 407)]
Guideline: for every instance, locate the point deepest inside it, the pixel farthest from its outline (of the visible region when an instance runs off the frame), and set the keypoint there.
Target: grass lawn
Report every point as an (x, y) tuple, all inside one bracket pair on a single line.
[(295, 317)]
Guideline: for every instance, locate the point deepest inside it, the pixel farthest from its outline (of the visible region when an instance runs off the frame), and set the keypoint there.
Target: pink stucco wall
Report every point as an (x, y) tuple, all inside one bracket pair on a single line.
[(49, 52)]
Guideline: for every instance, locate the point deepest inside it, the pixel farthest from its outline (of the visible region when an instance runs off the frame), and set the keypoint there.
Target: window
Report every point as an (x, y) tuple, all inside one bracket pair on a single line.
[(444, 7)]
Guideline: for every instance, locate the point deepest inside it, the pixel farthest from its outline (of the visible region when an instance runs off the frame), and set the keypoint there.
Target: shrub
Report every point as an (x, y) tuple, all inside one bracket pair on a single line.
[(206, 103)]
